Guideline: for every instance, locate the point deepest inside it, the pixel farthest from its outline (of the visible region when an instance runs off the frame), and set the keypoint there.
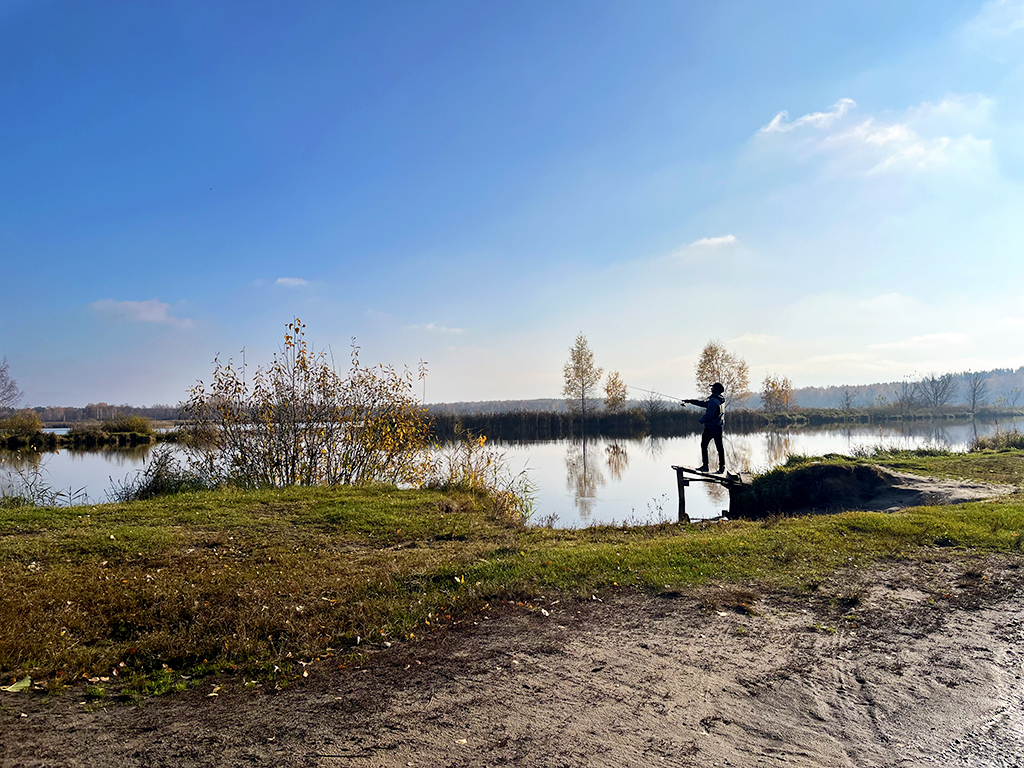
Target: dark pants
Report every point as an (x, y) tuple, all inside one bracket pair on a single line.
[(709, 434)]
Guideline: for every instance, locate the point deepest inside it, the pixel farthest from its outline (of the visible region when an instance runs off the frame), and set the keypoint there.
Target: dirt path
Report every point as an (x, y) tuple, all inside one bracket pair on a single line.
[(899, 665)]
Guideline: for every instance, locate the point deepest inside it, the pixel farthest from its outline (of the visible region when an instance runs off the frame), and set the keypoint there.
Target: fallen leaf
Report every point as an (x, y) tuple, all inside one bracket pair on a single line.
[(22, 685)]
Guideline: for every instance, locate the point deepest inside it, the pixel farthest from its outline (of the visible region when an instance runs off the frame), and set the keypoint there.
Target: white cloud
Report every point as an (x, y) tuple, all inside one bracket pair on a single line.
[(151, 311), (926, 137), (997, 19), (713, 242), (435, 328), (1011, 324), (778, 123), (291, 282), (928, 341)]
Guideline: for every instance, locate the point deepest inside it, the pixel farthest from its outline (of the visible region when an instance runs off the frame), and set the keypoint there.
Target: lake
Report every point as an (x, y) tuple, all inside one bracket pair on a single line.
[(606, 481)]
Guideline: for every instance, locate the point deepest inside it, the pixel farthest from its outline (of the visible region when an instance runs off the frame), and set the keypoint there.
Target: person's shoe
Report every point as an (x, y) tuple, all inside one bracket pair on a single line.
[(702, 468), (720, 470)]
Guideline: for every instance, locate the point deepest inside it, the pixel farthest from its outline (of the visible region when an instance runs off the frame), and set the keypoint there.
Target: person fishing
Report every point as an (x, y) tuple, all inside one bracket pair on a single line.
[(713, 421)]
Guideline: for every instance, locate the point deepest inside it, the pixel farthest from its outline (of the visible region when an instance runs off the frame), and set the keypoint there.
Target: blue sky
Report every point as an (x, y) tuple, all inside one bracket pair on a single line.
[(833, 190)]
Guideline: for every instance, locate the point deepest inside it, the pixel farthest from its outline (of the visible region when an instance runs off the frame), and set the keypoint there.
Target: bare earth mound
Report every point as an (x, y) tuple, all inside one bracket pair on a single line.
[(906, 664)]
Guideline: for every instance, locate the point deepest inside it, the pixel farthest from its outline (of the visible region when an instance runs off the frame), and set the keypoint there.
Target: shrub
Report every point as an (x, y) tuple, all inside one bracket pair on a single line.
[(1002, 440), (139, 425), (86, 429), (299, 422), (22, 424)]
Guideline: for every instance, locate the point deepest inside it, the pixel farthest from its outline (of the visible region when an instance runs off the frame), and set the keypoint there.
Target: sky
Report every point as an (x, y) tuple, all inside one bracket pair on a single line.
[(834, 191)]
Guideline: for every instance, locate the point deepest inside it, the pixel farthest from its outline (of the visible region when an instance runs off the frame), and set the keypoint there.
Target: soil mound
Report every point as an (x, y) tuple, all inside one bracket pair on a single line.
[(819, 488)]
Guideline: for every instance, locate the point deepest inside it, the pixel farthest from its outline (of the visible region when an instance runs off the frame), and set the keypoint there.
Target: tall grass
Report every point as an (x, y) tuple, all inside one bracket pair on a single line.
[(470, 464), (28, 485), (162, 475), (1002, 440)]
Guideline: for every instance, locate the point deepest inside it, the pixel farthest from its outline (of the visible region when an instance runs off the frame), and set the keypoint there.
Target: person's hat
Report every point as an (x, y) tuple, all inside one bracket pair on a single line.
[(717, 388)]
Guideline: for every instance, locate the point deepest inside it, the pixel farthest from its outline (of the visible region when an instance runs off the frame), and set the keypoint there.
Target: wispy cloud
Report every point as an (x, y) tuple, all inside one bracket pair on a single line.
[(291, 282), (926, 137), (1011, 324), (928, 341), (435, 328), (151, 311), (714, 242), (1000, 18), (780, 124)]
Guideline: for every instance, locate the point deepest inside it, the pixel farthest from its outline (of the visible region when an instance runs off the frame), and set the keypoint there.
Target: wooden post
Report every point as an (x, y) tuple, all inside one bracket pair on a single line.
[(682, 482)]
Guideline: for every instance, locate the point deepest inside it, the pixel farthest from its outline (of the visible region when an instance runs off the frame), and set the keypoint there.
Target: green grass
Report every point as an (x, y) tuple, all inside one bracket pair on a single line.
[(153, 595)]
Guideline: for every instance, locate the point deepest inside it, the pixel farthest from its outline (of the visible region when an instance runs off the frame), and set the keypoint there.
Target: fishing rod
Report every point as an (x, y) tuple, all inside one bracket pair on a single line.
[(661, 394), (652, 392)]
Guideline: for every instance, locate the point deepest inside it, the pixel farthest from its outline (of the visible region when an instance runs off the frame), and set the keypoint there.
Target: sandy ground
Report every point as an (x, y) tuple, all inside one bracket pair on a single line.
[(897, 665)]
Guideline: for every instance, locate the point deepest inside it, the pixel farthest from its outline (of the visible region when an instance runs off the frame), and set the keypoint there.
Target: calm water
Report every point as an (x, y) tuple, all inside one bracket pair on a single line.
[(610, 481), (632, 480)]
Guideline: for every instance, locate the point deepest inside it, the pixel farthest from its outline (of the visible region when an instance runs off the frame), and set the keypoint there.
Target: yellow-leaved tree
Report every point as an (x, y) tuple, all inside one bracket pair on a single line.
[(717, 364), (614, 392), (581, 376), (776, 394)]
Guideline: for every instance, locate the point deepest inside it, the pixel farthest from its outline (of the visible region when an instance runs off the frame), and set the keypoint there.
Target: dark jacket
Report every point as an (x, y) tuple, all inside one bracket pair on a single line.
[(714, 416)]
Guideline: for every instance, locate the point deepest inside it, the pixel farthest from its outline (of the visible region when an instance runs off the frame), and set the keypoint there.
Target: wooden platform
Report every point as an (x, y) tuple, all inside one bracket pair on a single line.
[(687, 475)]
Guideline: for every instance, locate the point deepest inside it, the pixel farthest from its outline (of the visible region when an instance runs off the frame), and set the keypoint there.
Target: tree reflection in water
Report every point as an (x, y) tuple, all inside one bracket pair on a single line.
[(618, 459), (777, 448), (583, 477), (653, 447)]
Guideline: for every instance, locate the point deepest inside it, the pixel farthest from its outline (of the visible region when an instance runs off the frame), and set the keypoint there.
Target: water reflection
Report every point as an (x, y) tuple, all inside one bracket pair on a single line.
[(778, 446), (119, 457), (583, 477), (618, 458), (78, 476), (653, 447), (20, 461), (737, 456)]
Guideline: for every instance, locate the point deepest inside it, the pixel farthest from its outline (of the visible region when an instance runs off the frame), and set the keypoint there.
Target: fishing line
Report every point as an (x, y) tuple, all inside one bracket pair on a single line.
[(652, 392)]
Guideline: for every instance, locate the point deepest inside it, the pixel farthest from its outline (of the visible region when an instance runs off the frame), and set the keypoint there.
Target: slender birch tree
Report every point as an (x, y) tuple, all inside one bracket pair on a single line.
[(581, 376), (614, 392)]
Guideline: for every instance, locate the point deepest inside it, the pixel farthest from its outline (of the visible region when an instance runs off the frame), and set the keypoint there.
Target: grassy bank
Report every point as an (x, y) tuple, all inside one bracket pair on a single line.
[(989, 466), (148, 596)]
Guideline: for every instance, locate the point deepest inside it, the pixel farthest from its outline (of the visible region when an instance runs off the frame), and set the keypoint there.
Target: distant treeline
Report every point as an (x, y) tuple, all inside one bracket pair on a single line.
[(54, 415), (635, 422), (1004, 388)]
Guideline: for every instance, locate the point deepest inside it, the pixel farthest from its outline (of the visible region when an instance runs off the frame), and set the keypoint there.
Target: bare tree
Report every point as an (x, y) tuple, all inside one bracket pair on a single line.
[(1013, 396), (614, 392), (653, 406), (717, 364), (938, 389), (847, 398), (977, 391), (908, 396), (776, 394), (9, 392), (581, 376)]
